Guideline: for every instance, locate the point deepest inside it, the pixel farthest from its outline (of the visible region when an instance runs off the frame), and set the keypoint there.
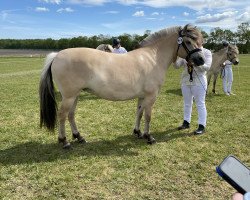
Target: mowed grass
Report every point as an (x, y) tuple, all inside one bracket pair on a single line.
[(114, 164)]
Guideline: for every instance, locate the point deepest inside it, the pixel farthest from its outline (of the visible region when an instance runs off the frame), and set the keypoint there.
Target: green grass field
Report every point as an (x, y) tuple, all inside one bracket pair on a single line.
[(114, 164)]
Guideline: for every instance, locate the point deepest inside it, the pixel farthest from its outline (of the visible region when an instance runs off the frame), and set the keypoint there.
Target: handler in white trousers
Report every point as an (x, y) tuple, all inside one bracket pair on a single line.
[(227, 75), (195, 89)]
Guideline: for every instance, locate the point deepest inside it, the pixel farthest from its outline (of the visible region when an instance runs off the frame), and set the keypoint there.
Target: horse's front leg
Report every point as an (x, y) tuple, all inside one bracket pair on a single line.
[(139, 113), (149, 102), (214, 82), (209, 75), (71, 117)]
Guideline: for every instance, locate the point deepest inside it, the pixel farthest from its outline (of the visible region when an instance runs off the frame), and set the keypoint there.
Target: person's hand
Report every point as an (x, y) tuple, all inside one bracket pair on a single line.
[(237, 196)]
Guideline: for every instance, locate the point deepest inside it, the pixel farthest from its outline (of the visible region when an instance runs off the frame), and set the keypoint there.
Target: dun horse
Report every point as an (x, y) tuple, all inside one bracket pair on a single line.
[(229, 53), (116, 77)]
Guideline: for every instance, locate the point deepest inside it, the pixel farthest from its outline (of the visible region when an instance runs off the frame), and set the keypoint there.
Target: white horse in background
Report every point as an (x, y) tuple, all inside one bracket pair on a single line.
[(230, 53), (105, 47), (117, 77)]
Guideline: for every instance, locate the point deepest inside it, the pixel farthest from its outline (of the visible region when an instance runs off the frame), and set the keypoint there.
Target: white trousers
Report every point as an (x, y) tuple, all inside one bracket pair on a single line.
[(197, 93), (227, 79)]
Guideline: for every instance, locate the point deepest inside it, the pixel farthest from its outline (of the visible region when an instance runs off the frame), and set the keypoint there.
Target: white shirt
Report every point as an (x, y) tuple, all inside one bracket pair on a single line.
[(199, 72), (120, 50)]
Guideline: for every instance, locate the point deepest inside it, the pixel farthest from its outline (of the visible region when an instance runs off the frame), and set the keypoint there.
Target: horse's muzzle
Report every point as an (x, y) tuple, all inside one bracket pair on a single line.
[(236, 62), (198, 60)]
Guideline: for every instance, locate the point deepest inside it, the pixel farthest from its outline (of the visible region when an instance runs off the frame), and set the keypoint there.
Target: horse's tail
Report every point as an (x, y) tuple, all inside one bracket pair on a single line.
[(48, 105)]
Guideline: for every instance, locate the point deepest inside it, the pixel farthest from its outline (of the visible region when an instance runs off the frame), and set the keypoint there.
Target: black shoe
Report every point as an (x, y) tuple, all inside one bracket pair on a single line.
[(200, 130), (185, 125)]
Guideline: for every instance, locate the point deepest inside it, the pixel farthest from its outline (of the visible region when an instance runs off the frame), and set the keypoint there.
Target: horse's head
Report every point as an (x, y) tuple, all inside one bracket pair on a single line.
[(232, 54), (190, 39), (105, 47)]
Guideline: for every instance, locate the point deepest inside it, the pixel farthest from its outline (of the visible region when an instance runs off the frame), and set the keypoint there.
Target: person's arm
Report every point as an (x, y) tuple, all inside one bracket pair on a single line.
[(124, 50), (208, 61)]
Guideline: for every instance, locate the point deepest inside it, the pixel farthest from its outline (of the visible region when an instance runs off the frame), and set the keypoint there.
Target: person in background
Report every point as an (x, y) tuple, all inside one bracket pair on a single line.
[(227, 76), (194, 88), (117, 46)]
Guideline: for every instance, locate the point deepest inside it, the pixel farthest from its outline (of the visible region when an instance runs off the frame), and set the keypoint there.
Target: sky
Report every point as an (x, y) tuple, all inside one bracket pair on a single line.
[(40, 19)]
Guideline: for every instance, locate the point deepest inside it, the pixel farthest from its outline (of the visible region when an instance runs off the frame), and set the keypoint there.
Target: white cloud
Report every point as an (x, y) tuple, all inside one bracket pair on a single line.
[(61, 10), (139, 14), (245, 17), (127, 2), (216, 17), (155, 13), (111, 12), (186, 14), (89, 2), (192, 4), (41, 9), (51, 1), (4, 14)]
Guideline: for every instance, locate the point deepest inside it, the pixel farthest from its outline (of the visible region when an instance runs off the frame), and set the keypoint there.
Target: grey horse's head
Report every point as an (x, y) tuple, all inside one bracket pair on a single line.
[(232, 54)]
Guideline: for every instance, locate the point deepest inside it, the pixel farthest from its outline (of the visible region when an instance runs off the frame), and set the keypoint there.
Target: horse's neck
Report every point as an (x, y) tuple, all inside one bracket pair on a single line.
[(222, 55), (166, 50)]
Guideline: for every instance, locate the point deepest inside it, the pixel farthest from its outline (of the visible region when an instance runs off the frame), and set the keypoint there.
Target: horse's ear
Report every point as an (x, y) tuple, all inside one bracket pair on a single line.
[(184, 30)]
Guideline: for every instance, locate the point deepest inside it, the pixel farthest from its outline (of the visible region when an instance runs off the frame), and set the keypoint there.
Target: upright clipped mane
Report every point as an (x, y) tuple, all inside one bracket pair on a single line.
[(157, 35), (230, 47), (234, 48), (193, 32), (188, 30)]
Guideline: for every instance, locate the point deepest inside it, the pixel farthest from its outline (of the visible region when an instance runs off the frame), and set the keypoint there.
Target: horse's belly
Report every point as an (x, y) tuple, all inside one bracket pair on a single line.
[(116, 95)]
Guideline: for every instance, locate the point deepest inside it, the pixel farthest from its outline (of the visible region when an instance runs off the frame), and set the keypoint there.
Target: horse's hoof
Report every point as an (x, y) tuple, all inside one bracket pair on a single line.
[(138, 134), (82, 140), (151, 140), (79, 138), (67, 146)]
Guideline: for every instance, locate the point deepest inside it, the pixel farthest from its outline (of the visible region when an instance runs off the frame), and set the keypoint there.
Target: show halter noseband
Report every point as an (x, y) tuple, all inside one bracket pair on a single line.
[(189, 53)]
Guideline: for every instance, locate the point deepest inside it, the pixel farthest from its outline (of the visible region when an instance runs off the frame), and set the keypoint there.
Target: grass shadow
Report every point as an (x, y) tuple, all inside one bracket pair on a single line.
[(175, 91), (171, 134), (35, 152), (125, 145)]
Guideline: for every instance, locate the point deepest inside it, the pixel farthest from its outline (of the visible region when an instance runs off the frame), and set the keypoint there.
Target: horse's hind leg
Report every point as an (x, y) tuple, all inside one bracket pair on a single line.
[(71, 117), (66, 105), (139, 113)]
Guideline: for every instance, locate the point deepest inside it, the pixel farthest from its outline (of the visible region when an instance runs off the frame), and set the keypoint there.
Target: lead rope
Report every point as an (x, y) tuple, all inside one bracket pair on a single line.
[(200, 81), (190, 71)]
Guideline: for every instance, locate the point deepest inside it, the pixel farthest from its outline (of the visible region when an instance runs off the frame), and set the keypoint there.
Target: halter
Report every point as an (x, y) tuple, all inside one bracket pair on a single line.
[(189, 53), (181, 42), (229, 57)]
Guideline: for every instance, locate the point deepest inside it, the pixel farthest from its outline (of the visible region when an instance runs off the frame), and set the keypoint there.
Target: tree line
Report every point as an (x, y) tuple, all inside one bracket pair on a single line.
[(214, 39)]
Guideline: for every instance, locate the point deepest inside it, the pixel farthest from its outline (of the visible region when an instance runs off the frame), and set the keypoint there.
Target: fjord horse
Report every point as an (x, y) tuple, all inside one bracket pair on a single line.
[(116, 77), (230, 53)]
